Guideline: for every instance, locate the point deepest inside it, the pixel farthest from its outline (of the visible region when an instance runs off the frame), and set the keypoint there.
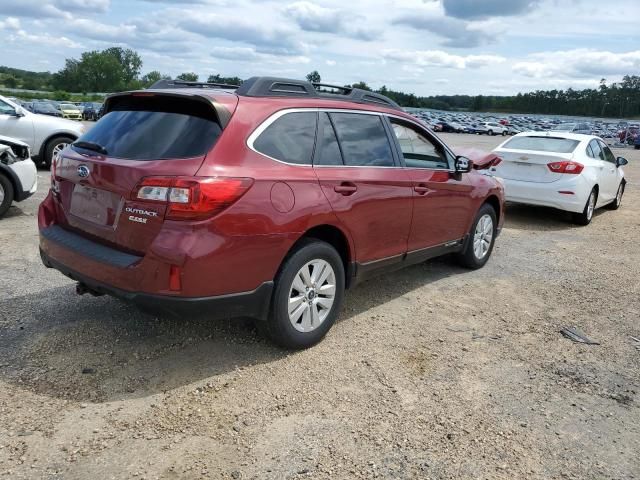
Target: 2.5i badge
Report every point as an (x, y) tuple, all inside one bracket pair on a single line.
[(140, 213)]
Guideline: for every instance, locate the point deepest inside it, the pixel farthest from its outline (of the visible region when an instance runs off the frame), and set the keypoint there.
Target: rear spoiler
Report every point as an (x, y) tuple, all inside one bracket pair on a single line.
[(481, 160), (222, 113)]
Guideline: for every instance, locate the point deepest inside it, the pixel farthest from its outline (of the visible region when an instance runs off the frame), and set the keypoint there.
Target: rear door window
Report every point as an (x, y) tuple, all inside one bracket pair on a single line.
[(597, 151), (363, 140), (155, 128), (608, 154), (290, 138)]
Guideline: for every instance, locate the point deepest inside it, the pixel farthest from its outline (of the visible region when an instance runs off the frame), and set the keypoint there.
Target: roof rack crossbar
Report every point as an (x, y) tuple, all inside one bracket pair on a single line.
[(285, 87), (168, 83)]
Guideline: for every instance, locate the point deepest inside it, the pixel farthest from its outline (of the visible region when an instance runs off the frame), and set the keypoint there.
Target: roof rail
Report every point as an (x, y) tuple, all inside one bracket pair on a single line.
[(168, 83), (285, 87)]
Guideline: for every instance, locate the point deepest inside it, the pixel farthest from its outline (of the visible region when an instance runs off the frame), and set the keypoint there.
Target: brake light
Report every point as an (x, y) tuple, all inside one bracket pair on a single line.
[(192, 198), (566, 167)]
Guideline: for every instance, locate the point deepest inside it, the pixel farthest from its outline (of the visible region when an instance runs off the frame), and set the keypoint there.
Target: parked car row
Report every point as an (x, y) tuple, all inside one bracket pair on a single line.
[(54, 108), (489, 124)]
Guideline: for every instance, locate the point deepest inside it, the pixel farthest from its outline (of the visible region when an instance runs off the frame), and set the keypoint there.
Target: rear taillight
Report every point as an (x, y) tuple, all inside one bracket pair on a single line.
[(566, 167), (192, 198)]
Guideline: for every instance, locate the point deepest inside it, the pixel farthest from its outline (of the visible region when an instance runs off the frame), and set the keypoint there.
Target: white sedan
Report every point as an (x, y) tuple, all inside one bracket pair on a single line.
[(571, 172)]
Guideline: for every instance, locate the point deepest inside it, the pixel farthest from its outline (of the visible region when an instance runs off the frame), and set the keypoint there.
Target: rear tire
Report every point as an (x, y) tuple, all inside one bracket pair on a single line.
[(586, 216), (6, 194), (55, 146), (491, 133), (615, 205), (481, 239), (504, 133), (307, 297)]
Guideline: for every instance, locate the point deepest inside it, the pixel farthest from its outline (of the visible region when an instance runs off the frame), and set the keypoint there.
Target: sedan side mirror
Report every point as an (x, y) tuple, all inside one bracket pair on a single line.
[(620, 161), (463, 164), (18, 112)]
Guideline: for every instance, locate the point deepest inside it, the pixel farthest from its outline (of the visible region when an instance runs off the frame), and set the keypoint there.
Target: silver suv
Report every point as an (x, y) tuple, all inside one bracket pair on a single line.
[(45, 135)]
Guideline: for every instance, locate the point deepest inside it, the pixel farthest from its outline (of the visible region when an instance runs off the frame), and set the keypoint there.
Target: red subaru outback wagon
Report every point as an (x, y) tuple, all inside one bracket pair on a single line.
[(266, 200)]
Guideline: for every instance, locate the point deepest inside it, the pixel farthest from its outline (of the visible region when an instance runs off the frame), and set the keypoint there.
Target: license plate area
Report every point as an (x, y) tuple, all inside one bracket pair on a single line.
[(94, 205)]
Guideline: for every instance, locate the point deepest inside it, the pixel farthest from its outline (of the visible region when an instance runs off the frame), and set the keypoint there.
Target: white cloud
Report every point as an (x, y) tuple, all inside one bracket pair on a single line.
[(578, 63), (45, 40), (439, 58), (250, 54), (10, 23), (314, 18)]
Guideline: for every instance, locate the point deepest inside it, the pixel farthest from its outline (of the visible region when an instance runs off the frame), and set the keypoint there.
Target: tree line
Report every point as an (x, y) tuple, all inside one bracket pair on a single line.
[(116, 69)]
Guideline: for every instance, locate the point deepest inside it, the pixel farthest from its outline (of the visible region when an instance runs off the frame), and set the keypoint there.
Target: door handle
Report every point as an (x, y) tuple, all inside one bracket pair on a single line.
[(421, 189), (345, 188)]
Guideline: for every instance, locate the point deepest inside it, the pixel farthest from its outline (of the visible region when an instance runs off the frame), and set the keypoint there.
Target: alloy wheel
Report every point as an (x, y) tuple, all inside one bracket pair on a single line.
[(312, 295), (619, 195), (591, 206), (483, 236), (1, 194), (57, 149)]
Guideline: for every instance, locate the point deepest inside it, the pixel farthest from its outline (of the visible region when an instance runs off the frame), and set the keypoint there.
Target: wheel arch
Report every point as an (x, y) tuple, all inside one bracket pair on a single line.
[(335, 237), (494, 202), (45, 142)]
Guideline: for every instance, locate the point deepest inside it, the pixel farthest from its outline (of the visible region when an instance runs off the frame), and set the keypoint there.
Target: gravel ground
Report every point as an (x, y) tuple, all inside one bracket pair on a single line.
[(435, 372)]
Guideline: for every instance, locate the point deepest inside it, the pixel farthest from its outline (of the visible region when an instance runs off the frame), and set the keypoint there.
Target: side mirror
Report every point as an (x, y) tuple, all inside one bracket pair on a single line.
[(18, 112), (620, 161), (463, 164)]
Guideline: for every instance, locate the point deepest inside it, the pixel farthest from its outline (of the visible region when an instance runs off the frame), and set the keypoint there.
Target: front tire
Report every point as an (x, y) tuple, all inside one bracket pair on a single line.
[(54, 147), (615, 205), (307, 297), (481, 239), (586, 216), (6, 195), (491, 133)]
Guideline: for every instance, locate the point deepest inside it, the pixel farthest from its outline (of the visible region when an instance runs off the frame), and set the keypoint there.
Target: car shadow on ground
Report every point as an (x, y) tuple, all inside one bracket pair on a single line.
[(88, 349), (14, 211), (526, 217)]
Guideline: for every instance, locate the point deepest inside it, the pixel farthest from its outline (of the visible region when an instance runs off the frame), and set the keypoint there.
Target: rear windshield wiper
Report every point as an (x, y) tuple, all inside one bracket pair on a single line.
[(96, 147)]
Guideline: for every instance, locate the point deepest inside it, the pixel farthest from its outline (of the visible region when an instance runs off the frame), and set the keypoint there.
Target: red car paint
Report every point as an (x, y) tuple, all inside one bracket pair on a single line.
[(393, 212)]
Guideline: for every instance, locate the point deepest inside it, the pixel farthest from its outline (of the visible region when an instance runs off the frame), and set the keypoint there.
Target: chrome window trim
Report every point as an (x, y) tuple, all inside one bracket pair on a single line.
[(280, 113)]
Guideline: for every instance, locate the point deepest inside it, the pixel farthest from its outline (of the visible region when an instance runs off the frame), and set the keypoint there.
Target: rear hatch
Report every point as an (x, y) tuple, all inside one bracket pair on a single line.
[(526, 158), (141, 135)]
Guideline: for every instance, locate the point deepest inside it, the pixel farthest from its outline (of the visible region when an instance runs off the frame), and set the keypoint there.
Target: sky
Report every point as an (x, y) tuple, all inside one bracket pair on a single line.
[(428, 47)]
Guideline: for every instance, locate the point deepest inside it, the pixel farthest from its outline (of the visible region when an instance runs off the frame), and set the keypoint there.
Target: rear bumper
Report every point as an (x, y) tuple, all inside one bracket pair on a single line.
[(548, 194), (254, 304)]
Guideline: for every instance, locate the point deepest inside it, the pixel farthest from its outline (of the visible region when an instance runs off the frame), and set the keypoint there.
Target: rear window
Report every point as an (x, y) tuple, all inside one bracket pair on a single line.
[(156, 128), (542, 144), (290, 138)]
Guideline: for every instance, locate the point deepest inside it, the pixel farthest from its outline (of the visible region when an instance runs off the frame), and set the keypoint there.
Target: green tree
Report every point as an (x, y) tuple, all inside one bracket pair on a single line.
[(10, 81), (152, 77), (363, 86), (130, 63), (314, 77), (108, 70), (188, 77), (226, 80)]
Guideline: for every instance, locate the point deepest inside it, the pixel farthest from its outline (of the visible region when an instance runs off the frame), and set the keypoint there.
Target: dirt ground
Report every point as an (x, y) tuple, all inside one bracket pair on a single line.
[(433, 372)]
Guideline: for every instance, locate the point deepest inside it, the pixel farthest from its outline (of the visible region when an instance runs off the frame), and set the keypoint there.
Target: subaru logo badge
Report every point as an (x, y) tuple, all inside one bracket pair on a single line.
[(83, 171)]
